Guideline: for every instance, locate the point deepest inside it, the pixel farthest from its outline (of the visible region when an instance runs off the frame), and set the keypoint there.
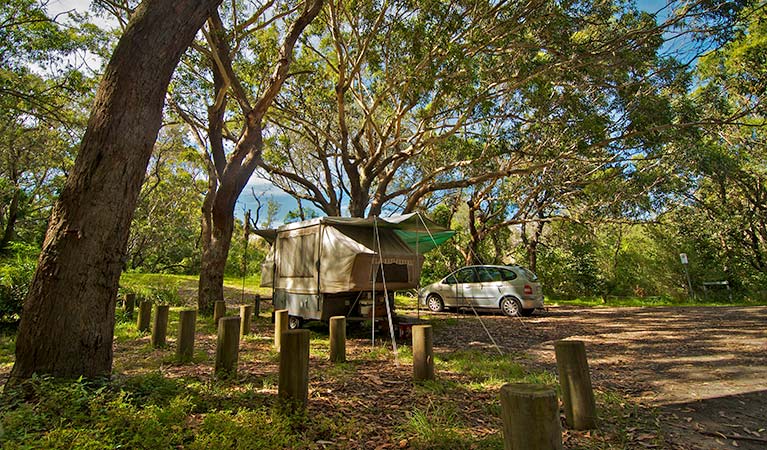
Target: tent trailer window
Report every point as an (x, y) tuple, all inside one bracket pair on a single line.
[(303, 247), (395, 273)]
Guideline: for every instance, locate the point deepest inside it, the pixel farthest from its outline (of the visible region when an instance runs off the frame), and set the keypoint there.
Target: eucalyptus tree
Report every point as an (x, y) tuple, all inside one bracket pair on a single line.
[(398, 100), (245, 61), (725, 164), (41, 85), (67, 324)]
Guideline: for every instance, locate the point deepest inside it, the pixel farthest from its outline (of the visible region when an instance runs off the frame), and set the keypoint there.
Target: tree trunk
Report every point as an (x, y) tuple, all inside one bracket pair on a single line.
[(13, 216), (213, 263), (532, 246), (67, 323), (205, 298), (472, 257)]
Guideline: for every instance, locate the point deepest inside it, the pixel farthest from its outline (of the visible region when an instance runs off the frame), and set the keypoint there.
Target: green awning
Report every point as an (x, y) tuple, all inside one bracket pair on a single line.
[(424, 241)]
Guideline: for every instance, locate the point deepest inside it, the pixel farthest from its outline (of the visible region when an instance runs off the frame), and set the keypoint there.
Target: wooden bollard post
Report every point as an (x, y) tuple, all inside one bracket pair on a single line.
[(423, 358), (294, 368), (160, 325), (575, 381), (227, 346), (257, 304), (219, 310), (338, 339), (187, 322), (280, 326), (246, 313), (530, 415), (144, 315), (129, 304)]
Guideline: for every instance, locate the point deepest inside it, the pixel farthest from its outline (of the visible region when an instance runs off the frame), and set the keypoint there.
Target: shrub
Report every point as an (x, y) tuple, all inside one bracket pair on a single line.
[(16, 271)]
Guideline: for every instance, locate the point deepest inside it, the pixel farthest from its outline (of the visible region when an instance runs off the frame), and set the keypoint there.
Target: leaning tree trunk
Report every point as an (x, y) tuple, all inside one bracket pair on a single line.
[(68, 317)]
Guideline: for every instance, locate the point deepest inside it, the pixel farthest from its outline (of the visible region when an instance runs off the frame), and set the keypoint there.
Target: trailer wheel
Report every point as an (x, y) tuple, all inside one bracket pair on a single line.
[(295, 322)]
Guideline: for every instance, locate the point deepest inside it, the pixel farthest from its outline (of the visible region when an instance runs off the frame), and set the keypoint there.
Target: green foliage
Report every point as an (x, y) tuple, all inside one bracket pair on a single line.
[(161, 291), (244, 429), (16, 270), (165, 229), (245, 259)]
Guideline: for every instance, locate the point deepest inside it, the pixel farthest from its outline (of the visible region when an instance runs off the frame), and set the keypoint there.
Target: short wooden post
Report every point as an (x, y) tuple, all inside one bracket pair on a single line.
[(219, 310), (246, 313), (257, 305), (144, 315), (338, 339), (280, 326), (294, 368), (530, 416), (423, 358), (187, 321), (575, 381), (160, 325), (227, 346), (129, 304)]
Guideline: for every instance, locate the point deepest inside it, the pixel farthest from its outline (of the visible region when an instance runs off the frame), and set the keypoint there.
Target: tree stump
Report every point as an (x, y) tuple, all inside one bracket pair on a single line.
[(338, 339), (144, 315), (246, 313), (575, 381), (160, 325), (227, 346), (294, 368), (219, 310), (423, 358), (129, 304), (280, 326), (187, 321), (530, 417)]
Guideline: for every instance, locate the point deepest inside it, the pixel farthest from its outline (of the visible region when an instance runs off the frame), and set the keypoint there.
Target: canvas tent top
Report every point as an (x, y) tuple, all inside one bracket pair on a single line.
[(415, 230)]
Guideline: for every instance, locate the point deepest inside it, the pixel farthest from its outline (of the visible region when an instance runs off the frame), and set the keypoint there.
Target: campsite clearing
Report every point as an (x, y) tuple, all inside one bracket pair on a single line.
[(667, 378), (702, 369)]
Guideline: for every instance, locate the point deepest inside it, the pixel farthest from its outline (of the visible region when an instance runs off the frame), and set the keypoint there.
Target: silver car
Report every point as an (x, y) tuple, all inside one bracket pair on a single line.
[(512, 289)]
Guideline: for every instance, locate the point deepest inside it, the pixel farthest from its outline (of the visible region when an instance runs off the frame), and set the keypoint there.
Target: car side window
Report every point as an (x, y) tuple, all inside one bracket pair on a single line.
[(508, 275), (466, 275), (451, 280), (489, 274)]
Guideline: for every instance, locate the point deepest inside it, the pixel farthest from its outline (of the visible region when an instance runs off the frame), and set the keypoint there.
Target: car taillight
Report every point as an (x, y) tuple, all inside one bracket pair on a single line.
[(528, 290)]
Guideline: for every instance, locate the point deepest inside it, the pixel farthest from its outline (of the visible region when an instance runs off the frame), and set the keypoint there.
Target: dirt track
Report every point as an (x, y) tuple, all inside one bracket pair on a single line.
[(705, 368)]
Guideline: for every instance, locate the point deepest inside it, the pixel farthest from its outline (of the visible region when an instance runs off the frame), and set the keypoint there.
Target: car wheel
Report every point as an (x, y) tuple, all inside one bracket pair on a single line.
[(511, 307), (295, 322), (527, 312), (435, 303)]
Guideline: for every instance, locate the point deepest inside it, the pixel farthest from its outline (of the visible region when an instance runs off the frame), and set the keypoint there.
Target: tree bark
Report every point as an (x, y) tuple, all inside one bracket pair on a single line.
[(13, 216), (67, 324)]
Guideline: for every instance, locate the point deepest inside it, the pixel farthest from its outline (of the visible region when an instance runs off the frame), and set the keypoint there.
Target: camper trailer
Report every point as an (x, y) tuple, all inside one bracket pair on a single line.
[(337, 266)]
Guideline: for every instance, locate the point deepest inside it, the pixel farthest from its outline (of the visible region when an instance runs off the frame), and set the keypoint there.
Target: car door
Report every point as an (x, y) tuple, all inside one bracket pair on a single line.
[(489, 287), (466, 286)]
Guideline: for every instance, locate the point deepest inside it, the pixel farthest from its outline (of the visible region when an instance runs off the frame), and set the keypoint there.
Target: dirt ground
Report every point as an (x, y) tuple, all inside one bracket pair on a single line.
[(703, 368)]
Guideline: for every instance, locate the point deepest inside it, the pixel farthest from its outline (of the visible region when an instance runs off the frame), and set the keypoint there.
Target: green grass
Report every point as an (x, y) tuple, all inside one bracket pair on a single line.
[(149, 282), (154, 402)]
